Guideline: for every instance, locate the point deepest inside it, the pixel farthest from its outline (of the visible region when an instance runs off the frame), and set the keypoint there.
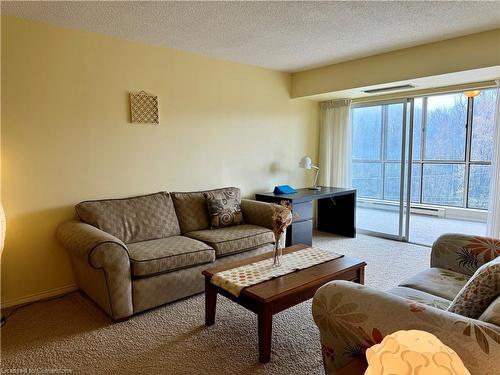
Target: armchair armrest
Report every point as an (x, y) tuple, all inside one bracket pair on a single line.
[(463, 253), (257, 213), (352, 318), (97, 254)]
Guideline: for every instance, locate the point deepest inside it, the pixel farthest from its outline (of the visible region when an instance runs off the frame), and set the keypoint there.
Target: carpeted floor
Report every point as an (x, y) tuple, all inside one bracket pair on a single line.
[(71, 333)]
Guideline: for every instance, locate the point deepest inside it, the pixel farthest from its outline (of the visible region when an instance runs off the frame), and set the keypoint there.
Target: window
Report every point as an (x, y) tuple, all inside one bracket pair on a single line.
[(452, 150), (367, 178), (416, 178), (367, 133), (376, 150), (443, 184), (445, 128), (394, 134), (483, 125), (479, 186)]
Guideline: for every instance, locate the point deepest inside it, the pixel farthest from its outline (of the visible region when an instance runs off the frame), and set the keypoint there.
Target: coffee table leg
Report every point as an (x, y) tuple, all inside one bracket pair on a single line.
[(210, 302), (361, 275), (265, 319)]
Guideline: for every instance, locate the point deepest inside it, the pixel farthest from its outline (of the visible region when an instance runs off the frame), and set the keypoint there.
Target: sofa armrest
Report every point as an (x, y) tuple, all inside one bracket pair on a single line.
[(352, 318), (257, 213), (93, 248), (82, 240), (463, 253)]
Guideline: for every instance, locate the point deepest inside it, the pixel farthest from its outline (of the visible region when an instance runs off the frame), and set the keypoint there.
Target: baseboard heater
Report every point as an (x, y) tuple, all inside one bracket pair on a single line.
[(394, 206), (431, 211)]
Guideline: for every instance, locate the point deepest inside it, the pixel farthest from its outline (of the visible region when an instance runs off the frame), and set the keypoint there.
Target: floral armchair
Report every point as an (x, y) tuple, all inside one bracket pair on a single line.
[(457, 300)]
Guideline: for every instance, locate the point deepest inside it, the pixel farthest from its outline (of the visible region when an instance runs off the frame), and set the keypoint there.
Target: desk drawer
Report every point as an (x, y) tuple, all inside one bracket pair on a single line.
[(302, 211)]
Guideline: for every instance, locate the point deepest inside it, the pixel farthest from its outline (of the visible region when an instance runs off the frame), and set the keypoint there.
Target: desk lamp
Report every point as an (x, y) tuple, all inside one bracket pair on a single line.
[(306, 163)]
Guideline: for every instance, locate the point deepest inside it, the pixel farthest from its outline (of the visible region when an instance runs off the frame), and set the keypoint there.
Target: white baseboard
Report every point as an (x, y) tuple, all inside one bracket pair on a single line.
[(38, 296)]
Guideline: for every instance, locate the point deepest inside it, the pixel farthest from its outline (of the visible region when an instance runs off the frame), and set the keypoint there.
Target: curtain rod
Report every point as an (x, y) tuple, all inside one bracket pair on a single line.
[(335, 103)]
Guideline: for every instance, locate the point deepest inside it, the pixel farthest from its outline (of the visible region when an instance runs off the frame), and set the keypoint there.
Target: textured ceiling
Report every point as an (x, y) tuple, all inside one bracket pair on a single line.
[(288, 36)]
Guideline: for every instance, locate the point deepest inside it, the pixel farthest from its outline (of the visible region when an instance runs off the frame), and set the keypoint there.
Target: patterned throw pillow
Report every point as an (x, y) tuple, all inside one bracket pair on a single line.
[(479, 292), (224, 208)]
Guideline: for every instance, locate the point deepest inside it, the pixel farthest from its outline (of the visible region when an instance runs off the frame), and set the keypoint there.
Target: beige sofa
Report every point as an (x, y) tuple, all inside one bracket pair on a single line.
[(440, 300), (133, 254)]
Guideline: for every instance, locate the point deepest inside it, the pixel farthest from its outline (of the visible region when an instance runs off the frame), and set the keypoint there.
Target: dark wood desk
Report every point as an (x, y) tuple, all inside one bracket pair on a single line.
[(336, 212)]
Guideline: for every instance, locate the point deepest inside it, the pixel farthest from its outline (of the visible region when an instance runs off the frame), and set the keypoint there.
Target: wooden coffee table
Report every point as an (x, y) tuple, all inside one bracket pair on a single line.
[(278, 294)]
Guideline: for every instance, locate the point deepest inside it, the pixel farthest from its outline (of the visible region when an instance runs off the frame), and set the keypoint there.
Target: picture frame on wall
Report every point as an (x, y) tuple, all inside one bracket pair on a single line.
[(144, 108)]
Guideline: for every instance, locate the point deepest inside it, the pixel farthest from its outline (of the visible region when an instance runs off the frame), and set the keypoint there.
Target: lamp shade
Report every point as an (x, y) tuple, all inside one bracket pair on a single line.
[(413, 352), (472, 93), (306, 162)]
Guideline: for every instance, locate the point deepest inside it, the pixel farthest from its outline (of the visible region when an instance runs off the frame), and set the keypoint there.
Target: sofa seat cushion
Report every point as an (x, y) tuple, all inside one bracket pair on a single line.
[(135, 219), (234, 239), (421, 297), (437, 281), (167, 254)]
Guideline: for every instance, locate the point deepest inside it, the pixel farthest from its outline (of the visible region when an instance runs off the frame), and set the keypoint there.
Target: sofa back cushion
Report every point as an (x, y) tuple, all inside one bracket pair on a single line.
[(463, 253), (479, 292), (135, 219), (191, 208)]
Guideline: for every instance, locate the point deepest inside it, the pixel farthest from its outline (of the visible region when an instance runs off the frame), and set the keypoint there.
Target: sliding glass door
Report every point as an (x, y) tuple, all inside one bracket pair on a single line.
[(422, 166), (380, 138)]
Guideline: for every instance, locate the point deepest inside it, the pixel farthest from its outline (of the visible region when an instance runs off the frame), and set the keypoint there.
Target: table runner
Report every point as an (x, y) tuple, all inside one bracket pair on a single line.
[(236, 279)]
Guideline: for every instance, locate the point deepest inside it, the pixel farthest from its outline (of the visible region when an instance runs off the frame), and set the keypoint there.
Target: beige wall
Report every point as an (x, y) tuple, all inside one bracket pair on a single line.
[(66, 135), (469, 52)]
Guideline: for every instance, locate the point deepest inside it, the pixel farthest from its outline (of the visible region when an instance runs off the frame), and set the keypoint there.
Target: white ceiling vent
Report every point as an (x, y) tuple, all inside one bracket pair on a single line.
[(390, 88)]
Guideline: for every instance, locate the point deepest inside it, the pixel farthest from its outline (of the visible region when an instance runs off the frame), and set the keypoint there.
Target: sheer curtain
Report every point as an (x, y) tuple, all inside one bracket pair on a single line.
[(493, 226), (335, 143)]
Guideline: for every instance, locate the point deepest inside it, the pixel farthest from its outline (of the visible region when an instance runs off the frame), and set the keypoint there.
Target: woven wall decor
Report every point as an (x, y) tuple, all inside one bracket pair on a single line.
[(144, 108)]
